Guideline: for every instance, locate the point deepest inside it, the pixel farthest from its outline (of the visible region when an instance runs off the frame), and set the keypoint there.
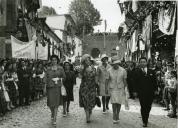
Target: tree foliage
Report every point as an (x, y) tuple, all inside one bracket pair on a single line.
[(46, 11), (85, 15)]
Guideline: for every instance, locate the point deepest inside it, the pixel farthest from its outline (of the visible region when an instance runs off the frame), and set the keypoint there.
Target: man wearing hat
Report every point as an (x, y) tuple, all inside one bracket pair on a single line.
[(102, 76)]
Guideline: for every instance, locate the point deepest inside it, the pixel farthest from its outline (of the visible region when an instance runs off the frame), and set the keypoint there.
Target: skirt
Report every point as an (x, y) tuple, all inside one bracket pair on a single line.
[(54, 97), (117, 96)]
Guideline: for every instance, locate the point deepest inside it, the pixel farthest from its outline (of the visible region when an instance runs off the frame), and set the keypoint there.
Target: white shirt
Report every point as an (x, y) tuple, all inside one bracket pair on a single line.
[(145, 70)]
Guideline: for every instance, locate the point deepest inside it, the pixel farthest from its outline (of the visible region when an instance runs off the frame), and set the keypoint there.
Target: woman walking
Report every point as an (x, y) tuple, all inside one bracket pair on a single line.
[(68, 84), (117, 84), (87, 92), (102, 76), (54, 75)]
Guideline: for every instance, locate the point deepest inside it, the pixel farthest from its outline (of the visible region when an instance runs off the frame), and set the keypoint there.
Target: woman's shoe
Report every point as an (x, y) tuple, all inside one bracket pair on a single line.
[(64, 114), (54, 123), (115, 121), (52, 119), (8, 108), (12, 106), (88, 121)]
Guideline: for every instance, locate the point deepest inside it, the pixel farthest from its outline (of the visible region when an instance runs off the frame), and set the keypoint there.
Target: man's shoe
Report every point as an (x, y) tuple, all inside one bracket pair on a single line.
[(172, 116), (166, 109), (144, 125), (64, 114), (104, 112)]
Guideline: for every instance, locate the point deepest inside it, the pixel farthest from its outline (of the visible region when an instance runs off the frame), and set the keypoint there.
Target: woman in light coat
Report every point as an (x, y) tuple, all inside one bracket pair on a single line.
[(117, 84)]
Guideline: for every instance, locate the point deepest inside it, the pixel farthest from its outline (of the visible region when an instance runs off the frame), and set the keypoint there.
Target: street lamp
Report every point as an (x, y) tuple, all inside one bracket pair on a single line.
[(117, 49)]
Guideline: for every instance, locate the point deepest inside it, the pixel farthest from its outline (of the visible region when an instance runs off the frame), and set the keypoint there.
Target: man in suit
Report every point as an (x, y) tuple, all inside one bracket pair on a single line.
[(145, 86), (24, 81)]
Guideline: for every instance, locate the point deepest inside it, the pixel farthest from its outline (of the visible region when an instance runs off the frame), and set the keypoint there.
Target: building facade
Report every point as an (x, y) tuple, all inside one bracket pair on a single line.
[(64, 27), (19, 18)]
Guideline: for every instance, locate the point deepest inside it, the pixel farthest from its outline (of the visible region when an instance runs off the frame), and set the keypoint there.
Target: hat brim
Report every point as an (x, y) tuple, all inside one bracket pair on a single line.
[(105, 57), (116, 62)]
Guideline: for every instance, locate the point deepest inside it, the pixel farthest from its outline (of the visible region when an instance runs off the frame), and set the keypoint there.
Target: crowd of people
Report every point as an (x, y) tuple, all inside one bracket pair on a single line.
[(23, 81)]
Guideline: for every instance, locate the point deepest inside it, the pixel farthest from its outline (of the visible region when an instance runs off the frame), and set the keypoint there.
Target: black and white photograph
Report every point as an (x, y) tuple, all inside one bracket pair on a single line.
[(88, 63)]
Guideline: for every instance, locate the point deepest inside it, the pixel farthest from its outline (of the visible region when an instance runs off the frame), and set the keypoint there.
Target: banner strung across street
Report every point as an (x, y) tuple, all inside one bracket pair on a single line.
[(22, 49)]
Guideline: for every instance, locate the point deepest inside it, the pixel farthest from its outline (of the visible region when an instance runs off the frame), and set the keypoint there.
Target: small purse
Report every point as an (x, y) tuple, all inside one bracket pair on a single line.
[(126, 100), (97, 101), (63, 89)]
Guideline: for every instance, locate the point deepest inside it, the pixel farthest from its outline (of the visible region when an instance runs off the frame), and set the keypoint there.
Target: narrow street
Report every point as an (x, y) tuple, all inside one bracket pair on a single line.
[(37, 115)]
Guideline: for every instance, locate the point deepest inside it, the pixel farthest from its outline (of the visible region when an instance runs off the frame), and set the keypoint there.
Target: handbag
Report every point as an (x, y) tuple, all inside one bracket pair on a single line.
[(126, 100), (63, 89), (6, 96), (97, 101)]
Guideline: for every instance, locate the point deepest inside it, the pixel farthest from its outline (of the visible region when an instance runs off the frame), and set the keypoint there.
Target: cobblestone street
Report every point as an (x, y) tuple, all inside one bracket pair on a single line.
[(38, 116)]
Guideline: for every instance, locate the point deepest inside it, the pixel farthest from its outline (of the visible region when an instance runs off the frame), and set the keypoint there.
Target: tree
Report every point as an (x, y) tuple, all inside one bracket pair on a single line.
[(46, 11), (85, 15)]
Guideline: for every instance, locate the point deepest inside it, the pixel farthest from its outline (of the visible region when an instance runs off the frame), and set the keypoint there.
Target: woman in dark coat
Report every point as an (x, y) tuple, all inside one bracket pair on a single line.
[(69, 84)]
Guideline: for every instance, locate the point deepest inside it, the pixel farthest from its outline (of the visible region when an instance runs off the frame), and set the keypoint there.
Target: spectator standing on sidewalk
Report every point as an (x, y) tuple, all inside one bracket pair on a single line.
[(102, 76), (87, 91), (172, 93), (170, 68), (54, 76), (145, 85), (117, 84), (24, 74), (39, 87), (130, 78), (8, 81), (2, 98)]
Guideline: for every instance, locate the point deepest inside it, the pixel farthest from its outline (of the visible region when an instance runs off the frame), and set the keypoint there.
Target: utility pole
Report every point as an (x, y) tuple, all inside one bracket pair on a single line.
[(105, 26)]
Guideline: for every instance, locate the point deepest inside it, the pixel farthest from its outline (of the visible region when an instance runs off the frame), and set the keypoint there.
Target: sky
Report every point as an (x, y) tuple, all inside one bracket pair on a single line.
[(109, 10)]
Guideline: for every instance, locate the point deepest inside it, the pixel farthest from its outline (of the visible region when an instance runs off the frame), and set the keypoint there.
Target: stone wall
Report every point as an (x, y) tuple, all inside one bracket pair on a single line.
[(97, 41)]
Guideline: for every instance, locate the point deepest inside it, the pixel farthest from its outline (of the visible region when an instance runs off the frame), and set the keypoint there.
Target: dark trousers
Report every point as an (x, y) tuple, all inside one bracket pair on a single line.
[(2, 103), (146, 101), (172, 96), (24, 94)]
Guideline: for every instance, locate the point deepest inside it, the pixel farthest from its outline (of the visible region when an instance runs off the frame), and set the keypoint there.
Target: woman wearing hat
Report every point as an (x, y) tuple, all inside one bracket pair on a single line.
[(54, 76), (87, 92), (117, 84), (102, 76)]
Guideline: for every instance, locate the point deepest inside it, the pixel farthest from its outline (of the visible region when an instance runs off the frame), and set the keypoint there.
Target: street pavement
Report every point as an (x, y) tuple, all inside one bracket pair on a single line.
[(37, 115)]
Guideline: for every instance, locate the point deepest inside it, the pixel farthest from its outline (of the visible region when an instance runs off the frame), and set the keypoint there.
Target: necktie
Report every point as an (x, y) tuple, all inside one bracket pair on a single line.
[(143, 70)]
